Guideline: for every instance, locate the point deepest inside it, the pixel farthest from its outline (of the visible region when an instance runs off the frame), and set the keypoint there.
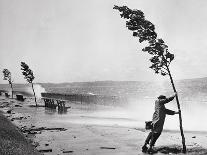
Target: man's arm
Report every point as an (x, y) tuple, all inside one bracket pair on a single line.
[(164, 101), (171, 112), (178, 112)]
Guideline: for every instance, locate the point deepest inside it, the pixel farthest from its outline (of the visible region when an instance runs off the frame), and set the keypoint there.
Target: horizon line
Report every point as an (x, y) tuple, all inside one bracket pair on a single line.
[(106, 81)]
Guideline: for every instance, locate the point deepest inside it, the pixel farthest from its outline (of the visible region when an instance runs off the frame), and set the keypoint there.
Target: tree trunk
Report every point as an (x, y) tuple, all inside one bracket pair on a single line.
[(180, 116), (34, 94), (12, 89)]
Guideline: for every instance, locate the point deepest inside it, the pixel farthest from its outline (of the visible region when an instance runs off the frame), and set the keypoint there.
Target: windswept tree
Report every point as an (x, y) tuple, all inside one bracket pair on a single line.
[(7, 76), (161, 58), (28, 75)]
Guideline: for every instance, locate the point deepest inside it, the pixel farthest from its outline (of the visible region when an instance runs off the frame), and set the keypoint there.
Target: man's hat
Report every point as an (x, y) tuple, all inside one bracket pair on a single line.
[(161, 97)]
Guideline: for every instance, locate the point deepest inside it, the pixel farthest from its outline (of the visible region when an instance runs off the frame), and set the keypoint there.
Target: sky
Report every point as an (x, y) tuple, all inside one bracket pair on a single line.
[(86, 40)]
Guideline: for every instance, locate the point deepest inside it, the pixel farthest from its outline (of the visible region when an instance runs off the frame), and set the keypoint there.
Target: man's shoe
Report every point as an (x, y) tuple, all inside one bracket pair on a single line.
[(151, 151), (144, 148)]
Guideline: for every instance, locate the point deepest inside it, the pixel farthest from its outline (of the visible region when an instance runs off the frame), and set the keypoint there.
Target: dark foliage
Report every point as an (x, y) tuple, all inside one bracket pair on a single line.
[(28, 75), (145, 31), (7, 75), (27, 72)]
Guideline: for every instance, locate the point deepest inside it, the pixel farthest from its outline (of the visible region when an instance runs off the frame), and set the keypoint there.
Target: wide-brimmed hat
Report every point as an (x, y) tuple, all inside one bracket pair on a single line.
[(162, 97)]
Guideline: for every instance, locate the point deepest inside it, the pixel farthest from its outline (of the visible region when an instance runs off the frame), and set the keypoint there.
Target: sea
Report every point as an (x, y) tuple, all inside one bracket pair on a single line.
[(135, 104)]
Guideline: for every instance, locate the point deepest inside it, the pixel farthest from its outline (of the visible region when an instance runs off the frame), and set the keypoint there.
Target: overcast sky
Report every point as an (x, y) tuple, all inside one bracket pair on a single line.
[(86, 40)]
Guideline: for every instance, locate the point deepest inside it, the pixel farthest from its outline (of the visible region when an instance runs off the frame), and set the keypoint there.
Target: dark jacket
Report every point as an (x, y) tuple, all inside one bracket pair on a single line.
[(160, 114)]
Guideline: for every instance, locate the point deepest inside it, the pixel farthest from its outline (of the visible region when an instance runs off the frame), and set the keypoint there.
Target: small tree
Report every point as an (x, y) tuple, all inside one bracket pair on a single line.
[(7, 76), (28, 75), (160, 55)]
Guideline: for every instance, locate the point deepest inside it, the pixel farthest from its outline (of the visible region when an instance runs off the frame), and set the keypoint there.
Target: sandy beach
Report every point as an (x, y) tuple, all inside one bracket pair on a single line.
[(80, 132)]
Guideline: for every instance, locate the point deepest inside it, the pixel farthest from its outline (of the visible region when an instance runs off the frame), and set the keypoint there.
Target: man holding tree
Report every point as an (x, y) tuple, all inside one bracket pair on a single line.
[(158, 121)]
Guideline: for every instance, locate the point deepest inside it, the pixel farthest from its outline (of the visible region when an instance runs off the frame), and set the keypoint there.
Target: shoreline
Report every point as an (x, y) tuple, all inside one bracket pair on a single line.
[(50, 134)]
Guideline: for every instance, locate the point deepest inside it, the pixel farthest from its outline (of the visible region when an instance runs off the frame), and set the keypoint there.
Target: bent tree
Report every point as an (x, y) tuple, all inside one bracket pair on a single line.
[(156, 47), (7, 76), (28, 75)]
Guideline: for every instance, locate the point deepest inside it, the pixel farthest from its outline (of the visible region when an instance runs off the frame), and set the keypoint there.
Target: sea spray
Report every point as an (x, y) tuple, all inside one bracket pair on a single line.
[(138, 110), (37, 88), (194, 114)]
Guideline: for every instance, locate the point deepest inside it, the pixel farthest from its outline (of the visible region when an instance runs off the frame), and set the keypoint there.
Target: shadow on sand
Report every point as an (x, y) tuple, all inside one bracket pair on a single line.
[(176, 149)]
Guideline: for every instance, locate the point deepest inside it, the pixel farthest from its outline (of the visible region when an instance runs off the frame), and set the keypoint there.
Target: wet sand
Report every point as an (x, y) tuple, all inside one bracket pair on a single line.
[(86, 133)]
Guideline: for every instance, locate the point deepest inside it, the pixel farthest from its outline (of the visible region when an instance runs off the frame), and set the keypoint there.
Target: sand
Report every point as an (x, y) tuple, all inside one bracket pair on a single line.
[(80, 133)]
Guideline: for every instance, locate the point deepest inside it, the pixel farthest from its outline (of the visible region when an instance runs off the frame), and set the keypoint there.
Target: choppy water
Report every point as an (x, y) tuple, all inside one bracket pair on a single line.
[(139, 106)]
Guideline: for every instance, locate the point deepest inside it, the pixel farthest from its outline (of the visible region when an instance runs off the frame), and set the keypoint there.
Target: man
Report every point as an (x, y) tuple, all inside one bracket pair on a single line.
[(158, 121)]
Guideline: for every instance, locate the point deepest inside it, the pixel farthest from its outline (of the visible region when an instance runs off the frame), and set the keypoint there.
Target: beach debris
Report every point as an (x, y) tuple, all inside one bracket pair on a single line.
[(20, 97), (45, 150), (7, 95), (34, 132), (17, 105), (35, 144), (45, 128), (67, 151), (18, 118), (9, 111), (4, 104), (39, 130), (103, 147)]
